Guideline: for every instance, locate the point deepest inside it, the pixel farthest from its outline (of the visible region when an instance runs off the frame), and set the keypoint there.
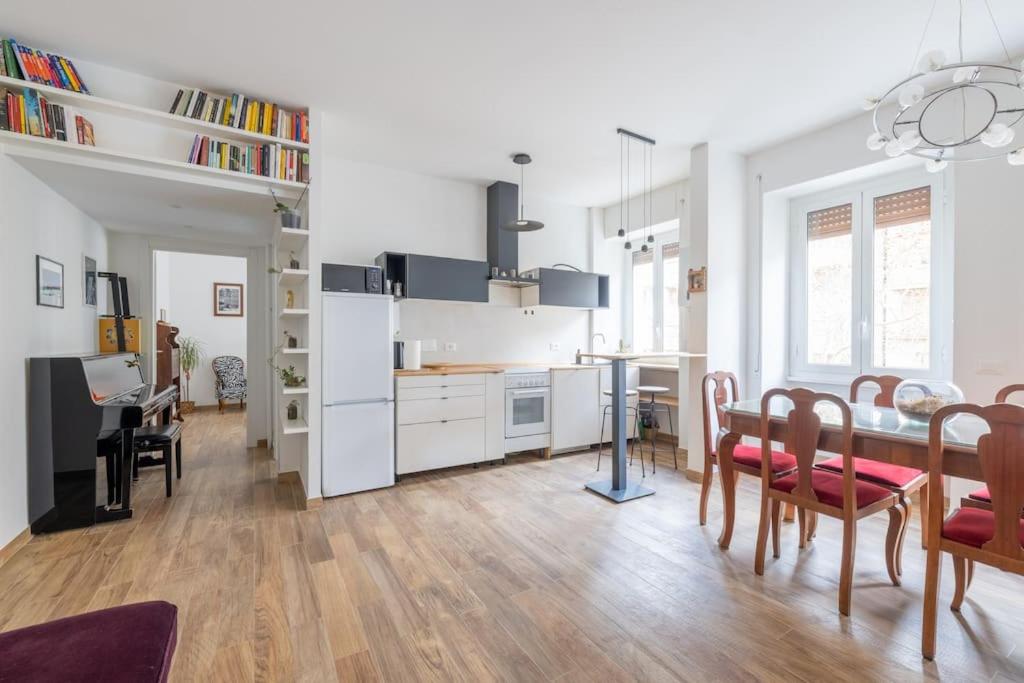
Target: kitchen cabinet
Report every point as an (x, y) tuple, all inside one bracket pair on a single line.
[(569, 288), (575, 407), (436, 277)]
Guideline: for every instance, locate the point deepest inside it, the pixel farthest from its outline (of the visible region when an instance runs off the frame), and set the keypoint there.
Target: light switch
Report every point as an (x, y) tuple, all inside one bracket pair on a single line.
[(450, 346), (428, 345)]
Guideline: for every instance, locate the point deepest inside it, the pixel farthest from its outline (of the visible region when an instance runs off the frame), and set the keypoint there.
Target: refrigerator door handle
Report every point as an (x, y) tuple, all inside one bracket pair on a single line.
[(351, 403)]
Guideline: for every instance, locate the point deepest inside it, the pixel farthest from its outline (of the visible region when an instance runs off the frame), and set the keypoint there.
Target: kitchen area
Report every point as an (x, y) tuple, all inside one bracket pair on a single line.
[(433, 362)]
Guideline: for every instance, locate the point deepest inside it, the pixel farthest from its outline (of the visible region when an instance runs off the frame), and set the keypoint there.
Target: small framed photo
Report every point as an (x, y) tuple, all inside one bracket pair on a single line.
[(89, 280), (49, 283), (228, 299)]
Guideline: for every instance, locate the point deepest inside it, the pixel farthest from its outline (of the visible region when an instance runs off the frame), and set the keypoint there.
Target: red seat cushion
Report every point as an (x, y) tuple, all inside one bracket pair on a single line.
[(973, 526), (750, 456), (981, 494), (828, 487), (882, 473), (131, 643)]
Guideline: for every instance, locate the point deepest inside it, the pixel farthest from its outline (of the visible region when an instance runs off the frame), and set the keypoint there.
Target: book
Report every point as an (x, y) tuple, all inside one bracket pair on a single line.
[(45, 68), (34, 121), (242, 112), (177, 101), (5, 123)]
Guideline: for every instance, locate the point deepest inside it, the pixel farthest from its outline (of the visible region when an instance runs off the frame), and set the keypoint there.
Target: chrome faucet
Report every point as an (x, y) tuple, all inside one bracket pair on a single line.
[(579, 352)]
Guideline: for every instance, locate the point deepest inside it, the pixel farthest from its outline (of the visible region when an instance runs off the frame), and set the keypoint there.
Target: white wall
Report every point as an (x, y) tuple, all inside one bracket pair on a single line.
[(35, 220), (184, 287), (373, 209)]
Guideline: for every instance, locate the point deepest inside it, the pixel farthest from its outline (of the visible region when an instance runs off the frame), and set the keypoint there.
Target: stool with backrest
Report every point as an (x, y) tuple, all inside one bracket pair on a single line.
[(636, 426), (746, 459), (653, 407), (164, 439), (811, 489), (995, 536), (902, 480), (981, 498)]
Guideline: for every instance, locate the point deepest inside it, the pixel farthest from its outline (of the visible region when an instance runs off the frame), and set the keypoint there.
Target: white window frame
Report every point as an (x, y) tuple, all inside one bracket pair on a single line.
[(861, 195), (660, 241)]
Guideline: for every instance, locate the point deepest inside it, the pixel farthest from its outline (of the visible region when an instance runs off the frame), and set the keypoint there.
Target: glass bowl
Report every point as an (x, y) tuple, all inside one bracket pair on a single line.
[(919, 399)]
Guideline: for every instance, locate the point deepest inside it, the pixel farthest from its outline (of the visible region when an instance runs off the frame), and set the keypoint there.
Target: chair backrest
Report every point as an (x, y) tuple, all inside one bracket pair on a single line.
[(803, 432), (725, 383), (228, 367), (1002, 465), (1003, 394), (886, 388)]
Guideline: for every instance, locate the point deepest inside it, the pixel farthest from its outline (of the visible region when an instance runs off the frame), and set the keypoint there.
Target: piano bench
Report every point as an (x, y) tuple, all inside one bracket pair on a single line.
[(162, 438)]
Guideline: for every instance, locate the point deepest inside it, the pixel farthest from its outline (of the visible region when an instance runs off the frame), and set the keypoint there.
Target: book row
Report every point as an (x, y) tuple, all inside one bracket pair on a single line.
[(239, 111), (28, 112), (271, 161), (28, 64)]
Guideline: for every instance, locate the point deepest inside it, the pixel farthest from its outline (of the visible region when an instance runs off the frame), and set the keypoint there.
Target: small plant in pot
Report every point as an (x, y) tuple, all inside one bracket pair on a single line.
[(190, 354), (291, 217)]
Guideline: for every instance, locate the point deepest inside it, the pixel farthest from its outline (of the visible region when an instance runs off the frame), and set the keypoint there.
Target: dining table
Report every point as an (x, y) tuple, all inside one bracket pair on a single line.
[(879, 433), (618, 488)]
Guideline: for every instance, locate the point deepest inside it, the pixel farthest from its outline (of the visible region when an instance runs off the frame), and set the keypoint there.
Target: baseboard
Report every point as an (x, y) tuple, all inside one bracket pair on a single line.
[(290, 477), (262, 443), (694, 475), (312, 503), (15, 544)]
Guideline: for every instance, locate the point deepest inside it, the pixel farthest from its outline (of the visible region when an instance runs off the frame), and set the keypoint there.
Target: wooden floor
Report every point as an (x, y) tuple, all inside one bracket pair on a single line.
[(508, 572)]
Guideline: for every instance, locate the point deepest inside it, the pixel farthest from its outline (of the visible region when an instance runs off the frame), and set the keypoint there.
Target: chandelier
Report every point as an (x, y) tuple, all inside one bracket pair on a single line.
[(962, 111), (626, 139)]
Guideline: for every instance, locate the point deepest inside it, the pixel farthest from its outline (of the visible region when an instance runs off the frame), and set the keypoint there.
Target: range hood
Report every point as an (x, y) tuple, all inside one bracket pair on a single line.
[(543, 286)]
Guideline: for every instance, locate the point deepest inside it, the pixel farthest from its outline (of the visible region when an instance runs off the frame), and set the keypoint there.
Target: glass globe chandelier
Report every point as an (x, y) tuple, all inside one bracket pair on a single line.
[(964, 111)]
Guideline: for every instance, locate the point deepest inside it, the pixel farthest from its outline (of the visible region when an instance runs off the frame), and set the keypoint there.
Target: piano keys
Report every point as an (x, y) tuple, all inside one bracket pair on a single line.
[(79, 407)]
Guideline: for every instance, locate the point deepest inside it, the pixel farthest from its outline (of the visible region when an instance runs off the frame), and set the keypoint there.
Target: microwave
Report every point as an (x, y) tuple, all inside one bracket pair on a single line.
[(336, 277)]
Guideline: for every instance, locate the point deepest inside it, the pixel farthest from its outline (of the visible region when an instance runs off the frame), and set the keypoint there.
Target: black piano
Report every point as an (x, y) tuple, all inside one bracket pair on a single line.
[(82, 407)]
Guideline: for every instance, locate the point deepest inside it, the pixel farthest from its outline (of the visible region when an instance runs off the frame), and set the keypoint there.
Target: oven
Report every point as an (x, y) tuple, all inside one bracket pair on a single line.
[(527, 404)]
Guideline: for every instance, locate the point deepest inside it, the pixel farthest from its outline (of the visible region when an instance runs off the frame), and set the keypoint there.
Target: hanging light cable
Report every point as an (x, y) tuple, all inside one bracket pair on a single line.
[(646, 194), (622, 230)]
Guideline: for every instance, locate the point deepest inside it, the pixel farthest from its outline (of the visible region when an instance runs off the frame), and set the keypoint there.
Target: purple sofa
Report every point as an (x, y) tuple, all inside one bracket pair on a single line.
[(128, 643)]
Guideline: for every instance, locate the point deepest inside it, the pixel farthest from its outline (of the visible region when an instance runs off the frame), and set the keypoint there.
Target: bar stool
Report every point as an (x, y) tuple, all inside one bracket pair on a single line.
[(652, 407), (636, 422), (162, 438)]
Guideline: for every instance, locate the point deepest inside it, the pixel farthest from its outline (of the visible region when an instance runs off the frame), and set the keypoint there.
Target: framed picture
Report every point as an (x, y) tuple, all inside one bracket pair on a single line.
[(228, 299), (89, 281), (49, 283)]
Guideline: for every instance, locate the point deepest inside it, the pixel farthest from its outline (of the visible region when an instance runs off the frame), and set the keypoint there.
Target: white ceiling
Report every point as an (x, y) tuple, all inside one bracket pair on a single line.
[(453, 87)]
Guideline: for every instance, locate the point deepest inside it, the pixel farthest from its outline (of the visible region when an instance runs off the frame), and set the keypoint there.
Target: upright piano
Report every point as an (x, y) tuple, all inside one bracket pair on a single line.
[(82, 406)]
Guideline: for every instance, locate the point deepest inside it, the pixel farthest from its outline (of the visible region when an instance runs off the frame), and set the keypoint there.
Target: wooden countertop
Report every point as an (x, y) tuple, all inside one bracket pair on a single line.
[(453, 369)]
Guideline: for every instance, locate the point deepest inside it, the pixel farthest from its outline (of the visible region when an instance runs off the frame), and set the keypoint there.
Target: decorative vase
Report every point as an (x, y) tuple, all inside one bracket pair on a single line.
[(293, 410), (294, 263), (293, 342), (919, 399), (290, 298), (291, 219)]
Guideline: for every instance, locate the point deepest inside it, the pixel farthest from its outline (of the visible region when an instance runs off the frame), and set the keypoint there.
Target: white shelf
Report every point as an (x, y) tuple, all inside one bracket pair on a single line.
[(297, 426), (101, 104), (292, 239), (291, 276), (294, 391), (294, 312), (108, 159), (294, 352)]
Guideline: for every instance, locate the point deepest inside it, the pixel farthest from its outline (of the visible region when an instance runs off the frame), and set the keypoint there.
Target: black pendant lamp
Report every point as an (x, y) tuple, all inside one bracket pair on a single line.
[(521, 224), (626, 137)]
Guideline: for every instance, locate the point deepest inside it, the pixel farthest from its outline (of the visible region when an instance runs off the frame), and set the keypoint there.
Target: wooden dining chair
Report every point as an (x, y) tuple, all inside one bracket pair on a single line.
[(994, 537), (816, 491), (901, 480), (746, 459), (981, 498)]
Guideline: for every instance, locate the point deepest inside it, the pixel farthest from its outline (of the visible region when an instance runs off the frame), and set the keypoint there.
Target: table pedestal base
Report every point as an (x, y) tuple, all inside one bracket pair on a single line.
[(604, 488)]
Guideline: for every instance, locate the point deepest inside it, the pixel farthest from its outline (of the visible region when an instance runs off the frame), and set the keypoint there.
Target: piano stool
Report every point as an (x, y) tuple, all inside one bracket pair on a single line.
[(162, 438), (128, 643)]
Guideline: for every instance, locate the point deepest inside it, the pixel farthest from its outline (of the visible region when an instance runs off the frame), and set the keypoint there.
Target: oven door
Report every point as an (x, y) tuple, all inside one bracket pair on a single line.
[(527, 412)]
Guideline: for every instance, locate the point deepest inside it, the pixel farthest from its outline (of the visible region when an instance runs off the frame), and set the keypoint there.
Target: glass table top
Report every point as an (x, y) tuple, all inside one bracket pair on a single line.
[(961, 430)]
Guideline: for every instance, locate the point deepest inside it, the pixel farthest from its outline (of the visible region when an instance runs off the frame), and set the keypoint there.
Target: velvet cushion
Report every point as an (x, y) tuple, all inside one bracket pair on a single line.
[(981, 494), (882, 473), (130, 643), (750, 456), (973, 526), (828, 487)]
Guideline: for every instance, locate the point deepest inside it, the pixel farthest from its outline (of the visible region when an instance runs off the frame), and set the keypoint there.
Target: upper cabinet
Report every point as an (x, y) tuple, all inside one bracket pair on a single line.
[(436, 277), (567, 288)]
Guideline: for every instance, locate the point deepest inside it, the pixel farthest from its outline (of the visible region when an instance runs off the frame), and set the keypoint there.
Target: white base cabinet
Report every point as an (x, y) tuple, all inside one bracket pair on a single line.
[(575, 401)]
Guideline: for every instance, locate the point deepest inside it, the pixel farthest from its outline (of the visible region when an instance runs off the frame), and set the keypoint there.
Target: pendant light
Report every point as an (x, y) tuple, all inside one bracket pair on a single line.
[(521, 224), (626, 138)]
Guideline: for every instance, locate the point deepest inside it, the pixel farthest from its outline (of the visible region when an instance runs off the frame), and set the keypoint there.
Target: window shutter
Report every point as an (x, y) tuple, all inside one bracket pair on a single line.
[(670, 250), (901, 208), (830, 222), (642, 257)]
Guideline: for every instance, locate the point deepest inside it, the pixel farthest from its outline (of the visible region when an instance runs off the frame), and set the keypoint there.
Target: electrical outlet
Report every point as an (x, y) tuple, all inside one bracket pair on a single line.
[(450, 346), (428, 345), (554, 346)]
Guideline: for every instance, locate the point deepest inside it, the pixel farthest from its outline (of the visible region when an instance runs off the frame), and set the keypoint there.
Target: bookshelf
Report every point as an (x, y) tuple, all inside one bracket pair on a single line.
[(297, 426), (290, 277)]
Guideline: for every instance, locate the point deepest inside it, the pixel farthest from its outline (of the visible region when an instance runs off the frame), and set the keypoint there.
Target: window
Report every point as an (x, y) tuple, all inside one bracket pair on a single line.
[(655, 296), (866, 293)]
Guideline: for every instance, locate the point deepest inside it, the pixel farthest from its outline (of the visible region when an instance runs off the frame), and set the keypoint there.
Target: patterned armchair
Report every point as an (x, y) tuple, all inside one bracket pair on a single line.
[(231, 384)]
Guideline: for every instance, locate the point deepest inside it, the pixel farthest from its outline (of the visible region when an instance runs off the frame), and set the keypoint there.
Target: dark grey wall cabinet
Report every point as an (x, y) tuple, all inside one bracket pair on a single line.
[(437, 277), (569, 288)]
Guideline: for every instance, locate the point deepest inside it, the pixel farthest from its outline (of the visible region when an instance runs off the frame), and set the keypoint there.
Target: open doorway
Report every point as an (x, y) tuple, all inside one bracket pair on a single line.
[(206, 298)]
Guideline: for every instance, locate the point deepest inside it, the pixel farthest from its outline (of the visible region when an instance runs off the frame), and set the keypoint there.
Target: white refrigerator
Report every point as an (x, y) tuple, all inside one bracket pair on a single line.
[(358, 420)]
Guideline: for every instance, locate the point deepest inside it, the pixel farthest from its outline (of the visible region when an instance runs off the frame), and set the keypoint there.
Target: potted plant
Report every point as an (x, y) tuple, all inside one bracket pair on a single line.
[(291, 217), (190, 354)]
